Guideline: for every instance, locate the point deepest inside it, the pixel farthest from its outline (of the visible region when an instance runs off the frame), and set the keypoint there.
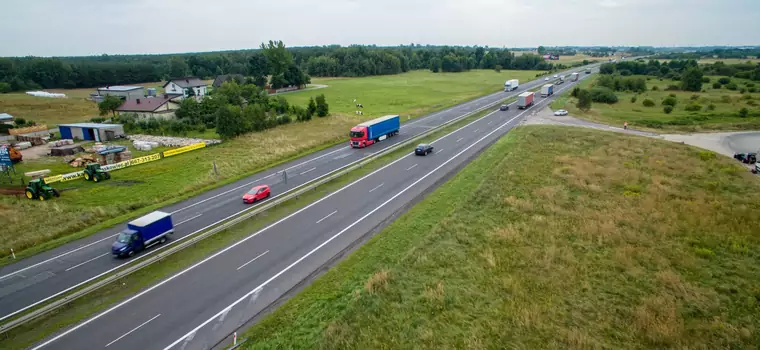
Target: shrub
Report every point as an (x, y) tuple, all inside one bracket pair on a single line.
[(5, 88), (633, 99), (672, 95), (705, 80), (751, 103), (742, 90), (322, 106), (5, 127), (667, 109), (749, 85), (724, 80), (717, 85), (497, 68), (747, 97), (693, 107), (283, 119), (603, 95), (751, 89), (672, 88), (743, 113), (694, 97), (711, 107), (725, 99), (731, 86), (575, 91), (648, 102), (584, 100), (669, 101), (655, 88), (97, 119)]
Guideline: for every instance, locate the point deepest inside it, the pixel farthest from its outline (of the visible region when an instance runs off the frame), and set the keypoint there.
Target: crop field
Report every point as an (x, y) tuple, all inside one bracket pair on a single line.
[(560, 238), (85, 207), (723, 115)]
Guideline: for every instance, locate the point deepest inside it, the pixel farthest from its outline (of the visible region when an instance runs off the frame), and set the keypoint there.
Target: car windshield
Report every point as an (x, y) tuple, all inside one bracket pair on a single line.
[(124, 237), (357, 134), (421, 146), (253, 191)]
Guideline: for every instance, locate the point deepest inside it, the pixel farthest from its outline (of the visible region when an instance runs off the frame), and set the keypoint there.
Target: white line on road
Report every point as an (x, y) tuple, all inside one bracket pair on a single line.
[(312, 169), (252, 260), (328, 215), (476, 131), (186, 220), (460, 139), (411, 167), (376, 187), (439, 151), (489, 123), (136, 328), (342, 156), (80, 264)]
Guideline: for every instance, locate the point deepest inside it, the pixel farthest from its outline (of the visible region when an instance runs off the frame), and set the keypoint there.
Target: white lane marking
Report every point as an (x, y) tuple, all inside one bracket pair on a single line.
[(342, 156), (476, 130), (328, 215), (252, 260), (376, 187), (178, 274), (130, 332), (80, 264), (489, 123), (262, 285), (439, 151), (186, 220), (460, 139), (312, 169), (411, 167)]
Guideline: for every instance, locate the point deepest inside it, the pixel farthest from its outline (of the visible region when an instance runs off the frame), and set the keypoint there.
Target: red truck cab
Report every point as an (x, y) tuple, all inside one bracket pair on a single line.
[(359, 137)]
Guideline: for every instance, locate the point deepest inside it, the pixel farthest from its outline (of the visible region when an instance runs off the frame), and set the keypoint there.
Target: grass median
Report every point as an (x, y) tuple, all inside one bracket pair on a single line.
[(100, 300), (559, 238)]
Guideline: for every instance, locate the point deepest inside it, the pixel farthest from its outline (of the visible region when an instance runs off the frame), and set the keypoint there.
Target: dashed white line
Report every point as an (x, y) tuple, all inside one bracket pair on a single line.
[(252, 260), (476, 130), (439, 151), (312, 169), (328, 215), (489, 123), (411, 167), (186, 220), (342, 156), (130, 332), (460, 139), (80, 264), (376, 187)]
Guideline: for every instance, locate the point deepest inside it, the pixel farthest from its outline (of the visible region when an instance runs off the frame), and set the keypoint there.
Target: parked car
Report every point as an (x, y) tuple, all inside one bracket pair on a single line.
[(257, 193), (560, 112), (504, 107), (423, 149)]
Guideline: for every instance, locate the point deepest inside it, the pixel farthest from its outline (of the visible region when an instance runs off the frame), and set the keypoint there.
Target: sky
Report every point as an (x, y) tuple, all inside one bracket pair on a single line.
[(79, 27)]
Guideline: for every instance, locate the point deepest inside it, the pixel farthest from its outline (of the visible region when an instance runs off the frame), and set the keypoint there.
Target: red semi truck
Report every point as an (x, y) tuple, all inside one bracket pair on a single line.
[(375, 130), (525, 100)]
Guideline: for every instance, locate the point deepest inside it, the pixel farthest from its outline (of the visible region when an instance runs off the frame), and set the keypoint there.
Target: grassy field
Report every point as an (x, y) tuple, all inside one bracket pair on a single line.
[(84, 208), (724, 117), (559, 239)]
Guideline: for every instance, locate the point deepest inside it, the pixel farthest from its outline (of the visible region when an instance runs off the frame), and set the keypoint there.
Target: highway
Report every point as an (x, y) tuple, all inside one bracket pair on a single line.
[(206, 302), (40, 278)]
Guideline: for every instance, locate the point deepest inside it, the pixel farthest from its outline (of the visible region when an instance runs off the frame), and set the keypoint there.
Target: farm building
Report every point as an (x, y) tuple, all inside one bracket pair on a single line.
[(125, 92), (186, 87), (91, 131), (160, 107)]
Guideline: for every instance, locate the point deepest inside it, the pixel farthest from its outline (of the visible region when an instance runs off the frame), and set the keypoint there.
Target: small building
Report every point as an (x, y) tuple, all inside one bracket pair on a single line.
[(183, 86), (125, 92), (91, 131), (221, 79), (6, 118), (160, 107)]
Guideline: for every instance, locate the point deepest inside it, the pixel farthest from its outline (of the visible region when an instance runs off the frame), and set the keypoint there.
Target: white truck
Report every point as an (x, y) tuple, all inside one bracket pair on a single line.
[(511, 84), (574, 77)]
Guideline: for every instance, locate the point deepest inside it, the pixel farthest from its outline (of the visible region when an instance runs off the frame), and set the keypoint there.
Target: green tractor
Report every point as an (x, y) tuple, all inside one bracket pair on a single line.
[(93, 172), (38, 189)]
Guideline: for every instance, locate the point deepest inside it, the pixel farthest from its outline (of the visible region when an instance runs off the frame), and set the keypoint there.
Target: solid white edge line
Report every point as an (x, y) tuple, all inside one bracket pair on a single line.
[(82, 263), (376, 187), (252, 260), (412, 167), (325, 218), (134, 329), (186, 220)]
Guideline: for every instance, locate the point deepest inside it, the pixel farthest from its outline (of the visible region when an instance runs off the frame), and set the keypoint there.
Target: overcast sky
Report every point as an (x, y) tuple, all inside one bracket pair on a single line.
[(79, 27)]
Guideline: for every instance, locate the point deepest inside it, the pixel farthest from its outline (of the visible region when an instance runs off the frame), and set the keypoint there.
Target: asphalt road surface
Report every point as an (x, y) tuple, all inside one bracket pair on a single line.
[(201, 305)]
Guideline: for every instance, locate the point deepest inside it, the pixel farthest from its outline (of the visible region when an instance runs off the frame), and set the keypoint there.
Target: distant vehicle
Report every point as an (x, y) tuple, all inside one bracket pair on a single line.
[(504, 107), (588, 71), (574, 77), (142, 233), (257, 193), (561, 80), (560, 112), (525, 100), (376, 130), (423, 149), (546, 79), (555, 76), (511, 84), (746, 158), (547, 90)]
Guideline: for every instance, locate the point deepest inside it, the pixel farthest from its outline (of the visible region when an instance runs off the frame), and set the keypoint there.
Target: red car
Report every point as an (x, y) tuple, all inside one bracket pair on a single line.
[(257, 193)]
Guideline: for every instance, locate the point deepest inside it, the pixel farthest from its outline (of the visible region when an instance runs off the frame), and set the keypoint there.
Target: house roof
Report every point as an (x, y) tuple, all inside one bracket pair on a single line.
[(5, 116), (146, 104), (186, 82), (120, 88), (220, 79), (91, 125)]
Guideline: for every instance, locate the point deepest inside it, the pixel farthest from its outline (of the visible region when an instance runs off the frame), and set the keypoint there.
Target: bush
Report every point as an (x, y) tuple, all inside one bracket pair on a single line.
[(717, 85), (743, 113), (667, 109), (97, 119), (731, 86), (5, 88), (672, 95), (497, 68), (633, 99), (625, 72), (752, 89), (603, 95), (694, 97), (655, 88), (575, 91), (724, 80), (751, 103), (648, 102), (283, 119), (749, 85), (322, 106), (5, 127), (711, 107), (742, 90), (20, 122), (705, 80), (584, 100), (693, 107), (669, 101), (725, 99)]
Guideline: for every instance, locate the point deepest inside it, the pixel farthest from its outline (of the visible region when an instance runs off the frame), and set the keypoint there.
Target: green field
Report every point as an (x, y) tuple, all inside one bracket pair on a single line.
[(559, 238), (84, 208), (724, 117)]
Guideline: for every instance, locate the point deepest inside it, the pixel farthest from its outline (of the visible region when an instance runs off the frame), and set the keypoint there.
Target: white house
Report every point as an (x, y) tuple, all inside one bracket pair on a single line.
[(183, 86)]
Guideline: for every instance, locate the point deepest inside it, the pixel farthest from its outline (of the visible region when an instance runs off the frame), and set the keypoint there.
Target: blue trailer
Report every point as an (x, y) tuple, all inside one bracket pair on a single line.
[(142, 233), (374, 130)]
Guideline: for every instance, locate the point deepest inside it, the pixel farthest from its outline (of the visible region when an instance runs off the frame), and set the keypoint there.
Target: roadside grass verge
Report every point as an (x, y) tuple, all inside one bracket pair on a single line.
[(724, 114), (559, 238), (85, 208), (30, 333)]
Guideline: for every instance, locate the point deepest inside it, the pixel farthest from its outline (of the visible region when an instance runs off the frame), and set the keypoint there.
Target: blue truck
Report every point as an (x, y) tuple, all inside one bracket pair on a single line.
[(375, 130), (142, 233)]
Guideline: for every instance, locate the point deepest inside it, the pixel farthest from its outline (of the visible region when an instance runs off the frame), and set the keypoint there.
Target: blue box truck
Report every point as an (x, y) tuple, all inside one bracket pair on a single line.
[(142, 233), (375, 130)]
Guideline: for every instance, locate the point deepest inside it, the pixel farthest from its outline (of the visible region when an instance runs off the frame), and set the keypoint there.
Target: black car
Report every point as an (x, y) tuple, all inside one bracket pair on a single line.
[(423, 149), (504, 107)]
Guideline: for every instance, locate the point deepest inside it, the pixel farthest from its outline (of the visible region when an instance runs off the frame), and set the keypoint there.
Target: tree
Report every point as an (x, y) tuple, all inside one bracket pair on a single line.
[(435, 65), (229, 122), (189, 109), (311, 109), (691, 79), (178, 68), (669, 101), (278, 57), (584, 100), (667, 109), (5, 88), (607, 68), (541, 50), (716, 85), (743, 112), (648, 102), (322, 108), (497, 68), (109, 104), (724, 80)]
